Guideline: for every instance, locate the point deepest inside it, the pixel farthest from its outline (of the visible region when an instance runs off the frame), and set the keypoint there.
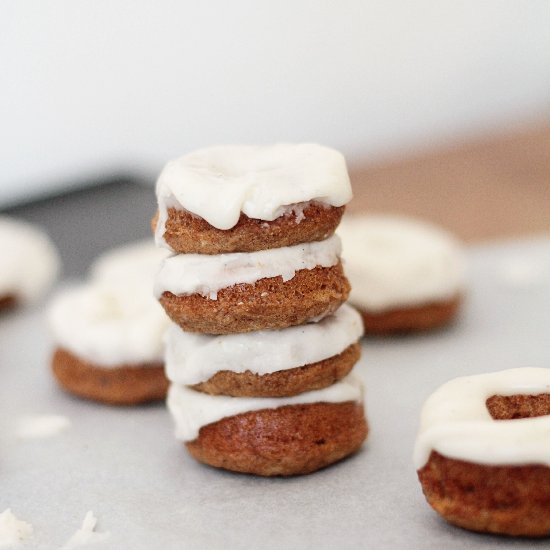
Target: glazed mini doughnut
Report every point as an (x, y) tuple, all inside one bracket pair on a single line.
[(248, 198), (275, 363), (271, 436), (406, 275), (248, 291), (108, 342), (30, 262), (483, 452), (134, 263)]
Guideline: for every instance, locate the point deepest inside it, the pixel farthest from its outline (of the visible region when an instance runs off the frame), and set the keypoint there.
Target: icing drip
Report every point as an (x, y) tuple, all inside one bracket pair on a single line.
[(263, 182)]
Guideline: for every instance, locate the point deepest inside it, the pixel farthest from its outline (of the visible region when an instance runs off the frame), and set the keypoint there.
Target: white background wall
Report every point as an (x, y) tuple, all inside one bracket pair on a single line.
[(92, 86)]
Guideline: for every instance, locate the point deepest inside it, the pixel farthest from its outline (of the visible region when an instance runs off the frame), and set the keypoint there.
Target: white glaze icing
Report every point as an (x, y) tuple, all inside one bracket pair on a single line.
[(184, 274), (456, 422), (394, 262), (135, 263), (218, 183), (192, 358), (108, 325), (13, 530), (191, 410), (86, 535), (41, 426), (30, 261)]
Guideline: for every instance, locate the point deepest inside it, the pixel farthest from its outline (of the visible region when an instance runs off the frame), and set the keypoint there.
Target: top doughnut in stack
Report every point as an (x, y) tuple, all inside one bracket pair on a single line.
[(260, 350)]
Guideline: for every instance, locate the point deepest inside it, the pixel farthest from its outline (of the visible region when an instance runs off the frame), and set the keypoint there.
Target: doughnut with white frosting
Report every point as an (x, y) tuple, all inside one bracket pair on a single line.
[(184, 274), (244, 292), (30, 261), (405, 274), (193, 358), (483, 451), (271, 436), (191, 410), (133, 263), (108, 332), (108, 327), (263, 182)]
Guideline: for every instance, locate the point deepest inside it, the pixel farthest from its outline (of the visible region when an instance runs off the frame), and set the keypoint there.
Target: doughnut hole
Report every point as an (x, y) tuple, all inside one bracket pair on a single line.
[(513, 407)]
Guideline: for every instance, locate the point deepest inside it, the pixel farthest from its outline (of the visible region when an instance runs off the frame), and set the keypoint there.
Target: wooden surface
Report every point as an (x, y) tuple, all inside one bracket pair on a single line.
[(490, 189)]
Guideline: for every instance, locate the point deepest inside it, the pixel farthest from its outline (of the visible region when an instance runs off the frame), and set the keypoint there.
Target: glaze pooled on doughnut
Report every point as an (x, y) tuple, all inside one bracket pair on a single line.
[(217, 184), (483, 452), (30, 262), (406, 275)]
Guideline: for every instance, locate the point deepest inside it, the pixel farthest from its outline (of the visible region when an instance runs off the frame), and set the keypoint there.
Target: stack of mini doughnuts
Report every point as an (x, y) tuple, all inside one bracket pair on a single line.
[(262, 344)]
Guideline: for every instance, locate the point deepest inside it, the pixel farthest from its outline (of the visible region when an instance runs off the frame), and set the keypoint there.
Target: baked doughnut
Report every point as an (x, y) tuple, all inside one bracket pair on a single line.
[(248, 291), (108, 340), (271, 436), (245, 198), (30, 262), (132, 264), (483, 452), (275, 363), (406, 275), (304, 222)]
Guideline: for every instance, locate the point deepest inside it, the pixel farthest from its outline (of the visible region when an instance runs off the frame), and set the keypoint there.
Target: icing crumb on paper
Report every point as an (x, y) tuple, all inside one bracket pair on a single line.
[(41, 426), (86, 534), (13, 530)]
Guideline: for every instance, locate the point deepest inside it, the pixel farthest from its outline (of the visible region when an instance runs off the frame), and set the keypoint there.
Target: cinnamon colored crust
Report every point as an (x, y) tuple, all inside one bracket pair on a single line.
[(508, 500), (122, 385), (283, 383), (267, 304), (186, 233), (290, 440), (511, 407), (411, 319), (7, 301)]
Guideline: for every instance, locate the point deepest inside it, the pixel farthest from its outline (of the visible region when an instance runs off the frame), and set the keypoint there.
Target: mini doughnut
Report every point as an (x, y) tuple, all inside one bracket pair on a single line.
[(30, 262), (186, 233), (108, 343), (243, 292), (123, 385), (406, 275), (249, 198), (271, 436), (134, 263), (274, 363), (483, 452)]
